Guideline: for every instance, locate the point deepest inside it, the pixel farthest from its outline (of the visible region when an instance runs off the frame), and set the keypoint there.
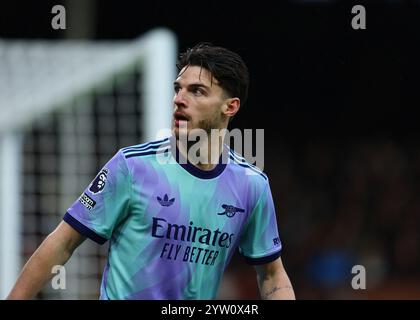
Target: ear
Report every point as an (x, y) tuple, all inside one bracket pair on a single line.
[(231, 107)]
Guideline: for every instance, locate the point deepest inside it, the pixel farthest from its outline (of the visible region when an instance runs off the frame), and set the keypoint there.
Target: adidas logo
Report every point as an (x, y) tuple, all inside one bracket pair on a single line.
[(165, 202)]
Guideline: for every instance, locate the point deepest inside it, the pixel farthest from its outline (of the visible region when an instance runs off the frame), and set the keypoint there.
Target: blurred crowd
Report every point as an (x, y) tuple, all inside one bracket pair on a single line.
[(342, 203)]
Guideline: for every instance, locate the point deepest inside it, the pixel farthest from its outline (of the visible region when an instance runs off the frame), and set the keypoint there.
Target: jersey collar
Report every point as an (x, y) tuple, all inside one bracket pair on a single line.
[(195, 171)]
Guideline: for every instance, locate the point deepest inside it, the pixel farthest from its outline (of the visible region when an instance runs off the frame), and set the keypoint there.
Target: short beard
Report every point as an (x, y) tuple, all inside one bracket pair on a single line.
[(210, 124)]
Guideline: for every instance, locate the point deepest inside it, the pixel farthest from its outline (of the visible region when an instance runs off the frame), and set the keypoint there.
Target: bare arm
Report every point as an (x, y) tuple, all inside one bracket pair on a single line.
[(274, 282), (56, 249)]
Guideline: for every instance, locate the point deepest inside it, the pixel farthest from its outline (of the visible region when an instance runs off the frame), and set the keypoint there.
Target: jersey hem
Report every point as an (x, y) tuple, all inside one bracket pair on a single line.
[(82, 229), (262, 260)]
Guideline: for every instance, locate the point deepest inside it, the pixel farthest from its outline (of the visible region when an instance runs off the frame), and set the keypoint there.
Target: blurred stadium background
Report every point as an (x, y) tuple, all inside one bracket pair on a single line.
[(342, 146)]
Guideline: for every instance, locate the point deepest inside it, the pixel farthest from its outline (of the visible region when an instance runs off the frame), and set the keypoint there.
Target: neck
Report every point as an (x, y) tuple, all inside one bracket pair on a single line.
[(204, 153)]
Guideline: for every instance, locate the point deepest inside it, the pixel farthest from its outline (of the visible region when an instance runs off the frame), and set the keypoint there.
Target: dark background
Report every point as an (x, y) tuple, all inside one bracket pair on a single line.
[(310, 71), (338, 107)]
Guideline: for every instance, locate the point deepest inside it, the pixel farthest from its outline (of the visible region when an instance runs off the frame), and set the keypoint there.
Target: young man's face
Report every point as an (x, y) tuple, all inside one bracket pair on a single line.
[(198, 100)]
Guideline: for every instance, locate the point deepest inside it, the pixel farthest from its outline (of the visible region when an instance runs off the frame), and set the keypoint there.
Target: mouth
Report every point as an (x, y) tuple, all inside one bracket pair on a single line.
[(179, 116)]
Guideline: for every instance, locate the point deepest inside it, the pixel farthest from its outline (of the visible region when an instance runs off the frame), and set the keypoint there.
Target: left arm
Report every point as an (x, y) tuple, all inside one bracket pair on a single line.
[(274, 282)]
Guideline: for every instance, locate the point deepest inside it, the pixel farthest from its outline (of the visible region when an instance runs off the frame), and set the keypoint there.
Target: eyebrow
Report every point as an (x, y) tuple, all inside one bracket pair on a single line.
[(197, 84)]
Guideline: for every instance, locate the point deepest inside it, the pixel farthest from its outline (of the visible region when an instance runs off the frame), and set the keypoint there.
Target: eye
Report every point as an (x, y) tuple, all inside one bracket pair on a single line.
[(177, 88), (198, 91)]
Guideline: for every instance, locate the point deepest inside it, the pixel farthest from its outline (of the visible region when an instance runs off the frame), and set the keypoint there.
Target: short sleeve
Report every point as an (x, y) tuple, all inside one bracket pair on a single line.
[(260, 242), (104, 203)]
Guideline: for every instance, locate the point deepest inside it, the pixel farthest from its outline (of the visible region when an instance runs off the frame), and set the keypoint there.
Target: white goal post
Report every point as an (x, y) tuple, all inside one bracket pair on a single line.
[(51, 80)]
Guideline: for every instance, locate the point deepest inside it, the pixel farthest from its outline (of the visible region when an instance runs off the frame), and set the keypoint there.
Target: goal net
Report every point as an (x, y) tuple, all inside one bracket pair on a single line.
[(66, 107)]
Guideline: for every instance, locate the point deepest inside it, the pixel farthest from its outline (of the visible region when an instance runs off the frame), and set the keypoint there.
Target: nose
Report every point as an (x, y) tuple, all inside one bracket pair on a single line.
[(179, 98)]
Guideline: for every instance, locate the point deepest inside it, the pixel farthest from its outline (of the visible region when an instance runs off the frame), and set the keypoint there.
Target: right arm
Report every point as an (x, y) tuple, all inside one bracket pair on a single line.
[(56, 249)]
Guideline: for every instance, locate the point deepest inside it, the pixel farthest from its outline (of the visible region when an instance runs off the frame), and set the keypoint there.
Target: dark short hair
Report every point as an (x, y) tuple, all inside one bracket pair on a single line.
[(225, 66)]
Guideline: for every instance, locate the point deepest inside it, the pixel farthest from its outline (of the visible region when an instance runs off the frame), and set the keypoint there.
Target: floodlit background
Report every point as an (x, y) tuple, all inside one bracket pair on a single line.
[(342, 146)]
